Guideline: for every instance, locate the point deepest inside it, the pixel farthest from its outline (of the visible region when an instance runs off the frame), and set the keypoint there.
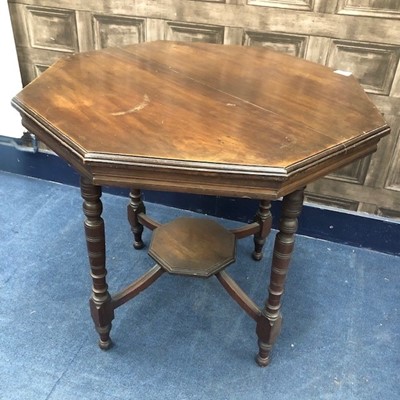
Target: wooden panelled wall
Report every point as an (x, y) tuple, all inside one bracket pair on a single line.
[(361, 36)]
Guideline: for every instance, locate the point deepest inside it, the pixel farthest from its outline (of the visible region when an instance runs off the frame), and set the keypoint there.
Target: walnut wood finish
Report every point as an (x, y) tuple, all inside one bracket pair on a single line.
[(136, 287), (193, 246), (198, 118), (135, 208), (238, 295), (102, 304), (102, 312), (270, 320), (264, 219), (148, 222)]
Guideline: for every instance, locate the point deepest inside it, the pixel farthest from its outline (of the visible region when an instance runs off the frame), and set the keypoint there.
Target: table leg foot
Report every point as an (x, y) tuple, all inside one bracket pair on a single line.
[(105, 345), (105, 341), (257, 256), (102, 315), (263, 356), (264, 219), (268, 330), (135, 207)]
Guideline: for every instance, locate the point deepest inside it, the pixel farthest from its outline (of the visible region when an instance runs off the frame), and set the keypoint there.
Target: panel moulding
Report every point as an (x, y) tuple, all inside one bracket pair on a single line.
[(313, 198), (39, 69), (393, 177), (388, 213), (374, 65), (52, 29), (211, 1), (354, 173), (195, 32), (384, 9), (294, 45), (115, 30), (304, 5)]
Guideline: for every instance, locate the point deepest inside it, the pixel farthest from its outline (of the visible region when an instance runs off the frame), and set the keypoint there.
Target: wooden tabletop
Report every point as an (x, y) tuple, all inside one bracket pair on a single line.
[(200, 118)]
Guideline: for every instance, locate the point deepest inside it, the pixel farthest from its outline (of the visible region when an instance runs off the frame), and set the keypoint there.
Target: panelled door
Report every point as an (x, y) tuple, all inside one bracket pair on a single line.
[(359, 36)]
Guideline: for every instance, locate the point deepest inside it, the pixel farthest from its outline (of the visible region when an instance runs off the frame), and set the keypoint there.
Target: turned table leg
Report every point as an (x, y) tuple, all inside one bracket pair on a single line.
[(264, 219), (100, 301), (269, 322), (135, 207)]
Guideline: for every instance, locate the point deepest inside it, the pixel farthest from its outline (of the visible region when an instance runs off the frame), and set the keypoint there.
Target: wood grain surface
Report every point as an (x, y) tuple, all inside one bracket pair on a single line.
[(194, 106)]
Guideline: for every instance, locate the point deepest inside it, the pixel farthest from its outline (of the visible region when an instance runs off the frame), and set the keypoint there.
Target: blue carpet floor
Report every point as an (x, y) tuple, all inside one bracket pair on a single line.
[(183, 338)]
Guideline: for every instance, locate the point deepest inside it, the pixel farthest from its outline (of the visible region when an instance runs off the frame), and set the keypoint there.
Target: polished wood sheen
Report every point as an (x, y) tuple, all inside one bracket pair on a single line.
[(249, 121), (101, 311), (199, 118), (193, 246)]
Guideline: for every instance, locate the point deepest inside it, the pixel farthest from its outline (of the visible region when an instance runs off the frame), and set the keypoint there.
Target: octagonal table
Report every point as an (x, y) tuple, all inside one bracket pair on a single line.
[(198, 118)]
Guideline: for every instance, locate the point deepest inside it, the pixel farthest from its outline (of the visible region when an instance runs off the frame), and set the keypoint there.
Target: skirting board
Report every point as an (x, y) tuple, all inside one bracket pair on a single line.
[(352, 228)]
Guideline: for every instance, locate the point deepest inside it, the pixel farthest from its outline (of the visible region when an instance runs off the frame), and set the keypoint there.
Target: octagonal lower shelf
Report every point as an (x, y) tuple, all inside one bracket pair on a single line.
[(193, 246)]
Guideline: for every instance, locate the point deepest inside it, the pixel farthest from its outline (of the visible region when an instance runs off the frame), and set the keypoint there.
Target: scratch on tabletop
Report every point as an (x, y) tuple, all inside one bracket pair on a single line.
[(139, 107)]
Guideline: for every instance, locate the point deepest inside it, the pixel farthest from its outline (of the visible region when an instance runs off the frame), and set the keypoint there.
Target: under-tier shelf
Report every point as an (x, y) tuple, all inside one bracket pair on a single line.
[(193, 246)]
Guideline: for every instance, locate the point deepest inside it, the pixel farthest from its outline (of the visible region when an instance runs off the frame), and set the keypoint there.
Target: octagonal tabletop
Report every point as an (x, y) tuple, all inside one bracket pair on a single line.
[(198, 117)]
